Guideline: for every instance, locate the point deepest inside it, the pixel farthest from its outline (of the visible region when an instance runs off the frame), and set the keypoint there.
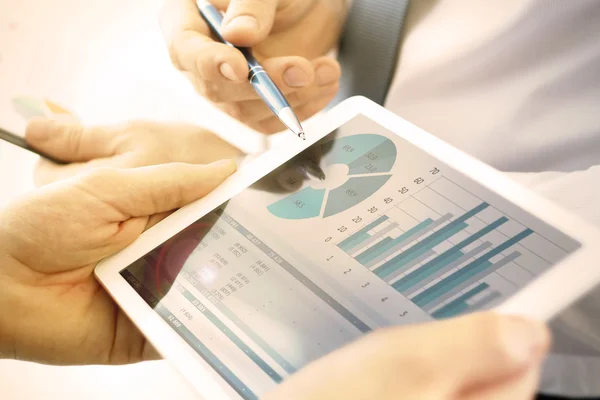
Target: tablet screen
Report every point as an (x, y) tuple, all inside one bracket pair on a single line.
[(295, 267)]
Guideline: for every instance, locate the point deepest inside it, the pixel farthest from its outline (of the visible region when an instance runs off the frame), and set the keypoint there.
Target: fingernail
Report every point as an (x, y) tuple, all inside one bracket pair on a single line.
[(526, 339), (228, 72), (295, 77), (326, 75), (247, 22)]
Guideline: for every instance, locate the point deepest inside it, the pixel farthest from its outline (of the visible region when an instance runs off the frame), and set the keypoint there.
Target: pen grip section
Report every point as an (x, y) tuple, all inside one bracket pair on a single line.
[(266, 89)]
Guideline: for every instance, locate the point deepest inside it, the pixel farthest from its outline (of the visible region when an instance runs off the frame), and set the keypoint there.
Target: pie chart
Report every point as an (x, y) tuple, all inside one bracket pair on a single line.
[(355, 167)]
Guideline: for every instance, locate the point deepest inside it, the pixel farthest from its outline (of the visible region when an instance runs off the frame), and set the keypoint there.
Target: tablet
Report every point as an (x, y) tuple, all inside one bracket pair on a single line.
[(275, 268)]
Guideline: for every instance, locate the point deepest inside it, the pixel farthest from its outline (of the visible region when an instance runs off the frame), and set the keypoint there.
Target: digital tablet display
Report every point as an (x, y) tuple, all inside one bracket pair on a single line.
[(295, 267)]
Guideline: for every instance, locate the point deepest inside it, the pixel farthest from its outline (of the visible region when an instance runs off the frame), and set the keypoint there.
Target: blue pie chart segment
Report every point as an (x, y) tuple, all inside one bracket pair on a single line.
[(353, 192), (305, 203)]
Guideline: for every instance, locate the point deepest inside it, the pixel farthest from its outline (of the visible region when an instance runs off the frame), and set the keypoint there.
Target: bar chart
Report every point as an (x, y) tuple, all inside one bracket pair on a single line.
[(450, 252)]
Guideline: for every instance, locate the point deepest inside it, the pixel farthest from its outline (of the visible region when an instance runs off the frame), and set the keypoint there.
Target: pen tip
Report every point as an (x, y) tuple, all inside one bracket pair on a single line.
[(302, 136)]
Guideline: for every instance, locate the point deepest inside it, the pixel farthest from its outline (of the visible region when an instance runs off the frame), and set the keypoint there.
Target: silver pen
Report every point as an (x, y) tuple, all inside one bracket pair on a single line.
[(257, 76)]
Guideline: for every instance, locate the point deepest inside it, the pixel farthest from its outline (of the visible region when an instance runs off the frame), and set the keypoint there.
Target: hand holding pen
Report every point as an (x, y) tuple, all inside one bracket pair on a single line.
[(290, 38), (308, 85), (261, 82), (259, 79)]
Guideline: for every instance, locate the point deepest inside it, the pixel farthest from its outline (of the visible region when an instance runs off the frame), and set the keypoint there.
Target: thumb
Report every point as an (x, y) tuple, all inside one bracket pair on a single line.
[(483, 348), (248, 22), (146, 191), (70, 142)]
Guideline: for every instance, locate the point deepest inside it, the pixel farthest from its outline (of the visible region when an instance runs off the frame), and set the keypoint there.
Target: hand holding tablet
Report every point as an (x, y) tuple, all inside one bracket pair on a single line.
[(53, 310), (251, 286), (58, 314)]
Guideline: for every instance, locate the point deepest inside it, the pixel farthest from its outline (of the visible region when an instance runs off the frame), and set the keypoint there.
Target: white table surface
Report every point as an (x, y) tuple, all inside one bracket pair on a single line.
[(104, 60)]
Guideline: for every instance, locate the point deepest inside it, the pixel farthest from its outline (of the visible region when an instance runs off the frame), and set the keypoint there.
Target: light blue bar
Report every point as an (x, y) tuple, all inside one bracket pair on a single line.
[(406, 257), (360, 235), (353, 241), (375, 237), (408, 239), (467, 272), (430, 241), (445, 258), (375, 249), (460, 304), (382, 246), (232, 336)]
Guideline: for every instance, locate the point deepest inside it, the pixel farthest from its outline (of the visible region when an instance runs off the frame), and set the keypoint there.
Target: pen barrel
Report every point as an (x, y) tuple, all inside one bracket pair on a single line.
[(266, 89)]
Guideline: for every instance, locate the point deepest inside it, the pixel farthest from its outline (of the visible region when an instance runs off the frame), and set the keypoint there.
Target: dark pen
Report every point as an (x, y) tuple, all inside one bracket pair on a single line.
[(20, 142)]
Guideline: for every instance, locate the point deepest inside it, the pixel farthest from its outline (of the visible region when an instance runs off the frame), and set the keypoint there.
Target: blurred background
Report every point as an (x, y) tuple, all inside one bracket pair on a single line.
[(104, 61)]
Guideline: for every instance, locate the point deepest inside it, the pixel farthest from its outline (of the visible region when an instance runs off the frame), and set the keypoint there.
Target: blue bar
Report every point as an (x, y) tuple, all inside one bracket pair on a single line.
[(456, 310), (430, 241), (421, 274), (460, 304), (361, 235), (418, 249), (444, 259), (388, 243), (467, 272)]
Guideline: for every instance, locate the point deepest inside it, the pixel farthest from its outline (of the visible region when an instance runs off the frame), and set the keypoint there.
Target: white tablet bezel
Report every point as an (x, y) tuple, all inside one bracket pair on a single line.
[(533, 301)]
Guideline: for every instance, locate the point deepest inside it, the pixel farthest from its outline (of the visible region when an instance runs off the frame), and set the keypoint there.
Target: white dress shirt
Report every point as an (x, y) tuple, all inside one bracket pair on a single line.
[(516, 83)]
